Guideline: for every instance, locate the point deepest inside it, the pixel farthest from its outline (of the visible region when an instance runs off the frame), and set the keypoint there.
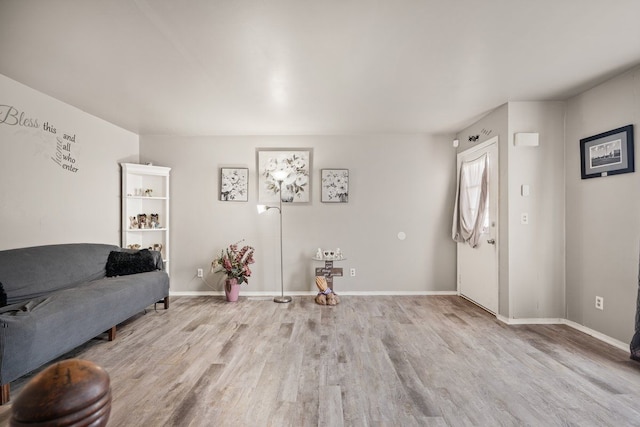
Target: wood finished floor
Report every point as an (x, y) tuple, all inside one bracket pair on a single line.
[(370, 361)]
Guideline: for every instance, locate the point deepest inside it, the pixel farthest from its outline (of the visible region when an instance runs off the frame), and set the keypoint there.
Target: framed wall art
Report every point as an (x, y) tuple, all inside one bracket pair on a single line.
[(296, 186), (335, 185), (608, 153), (234, 184)]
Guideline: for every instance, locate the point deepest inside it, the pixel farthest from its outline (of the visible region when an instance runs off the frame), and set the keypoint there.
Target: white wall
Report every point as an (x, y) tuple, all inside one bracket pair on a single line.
[(397, 183), (603, 214), (76, 199)]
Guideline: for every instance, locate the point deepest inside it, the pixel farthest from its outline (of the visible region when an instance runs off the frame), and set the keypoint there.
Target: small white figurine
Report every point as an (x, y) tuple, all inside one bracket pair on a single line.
[(339, 254), (319, 253)]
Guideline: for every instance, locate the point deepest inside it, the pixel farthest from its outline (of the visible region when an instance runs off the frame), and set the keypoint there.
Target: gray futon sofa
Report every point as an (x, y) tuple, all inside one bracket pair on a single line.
[(59, 296)]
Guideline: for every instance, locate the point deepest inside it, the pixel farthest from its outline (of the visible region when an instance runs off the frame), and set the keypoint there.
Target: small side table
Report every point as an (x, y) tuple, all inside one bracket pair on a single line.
[(328, 271)]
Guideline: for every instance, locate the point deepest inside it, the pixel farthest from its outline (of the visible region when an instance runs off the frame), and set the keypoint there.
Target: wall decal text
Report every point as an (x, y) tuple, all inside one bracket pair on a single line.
[(64, 149)]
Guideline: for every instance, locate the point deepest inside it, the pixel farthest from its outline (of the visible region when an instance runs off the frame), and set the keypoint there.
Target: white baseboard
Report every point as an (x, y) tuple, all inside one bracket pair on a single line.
[(530, 321), (195, 293), (242, 293), (310, 293), (552, 321), (602, 337), (396, 293)]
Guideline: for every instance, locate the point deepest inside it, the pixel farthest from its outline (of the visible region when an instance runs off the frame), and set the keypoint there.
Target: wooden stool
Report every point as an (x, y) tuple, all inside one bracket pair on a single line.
[(73, 392)]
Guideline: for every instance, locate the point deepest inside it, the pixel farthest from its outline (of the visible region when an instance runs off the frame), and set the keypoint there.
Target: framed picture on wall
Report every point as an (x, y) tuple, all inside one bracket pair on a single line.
[(234, 184), (335, 185), (294, 164), (608, 153)]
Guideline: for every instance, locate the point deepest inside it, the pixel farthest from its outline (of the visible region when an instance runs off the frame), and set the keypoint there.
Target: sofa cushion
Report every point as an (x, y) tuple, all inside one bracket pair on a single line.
[(125, 263), (32, 272), (3, 296)]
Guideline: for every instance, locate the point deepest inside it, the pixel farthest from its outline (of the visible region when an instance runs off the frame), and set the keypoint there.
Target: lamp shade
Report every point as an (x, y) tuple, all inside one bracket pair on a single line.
[(280, 174)]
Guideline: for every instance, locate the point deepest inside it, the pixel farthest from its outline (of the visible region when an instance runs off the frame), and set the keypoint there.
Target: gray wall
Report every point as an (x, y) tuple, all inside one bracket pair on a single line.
[(43, 201), (397, 183), (603, 214), (536, 250), (531, 277)]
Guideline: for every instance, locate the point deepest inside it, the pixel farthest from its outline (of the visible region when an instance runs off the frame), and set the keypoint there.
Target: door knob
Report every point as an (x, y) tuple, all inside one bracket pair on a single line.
[(491, 241)]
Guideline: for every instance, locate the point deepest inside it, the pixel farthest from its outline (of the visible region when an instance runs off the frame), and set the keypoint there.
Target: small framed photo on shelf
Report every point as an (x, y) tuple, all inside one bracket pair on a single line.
[(608, 153), (234, 184), (335, 185)]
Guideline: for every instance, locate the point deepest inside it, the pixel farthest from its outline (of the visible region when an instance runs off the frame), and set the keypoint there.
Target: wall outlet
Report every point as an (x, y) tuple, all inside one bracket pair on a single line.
[(524, 218), (600, 303), (352, 272), (200, 273)]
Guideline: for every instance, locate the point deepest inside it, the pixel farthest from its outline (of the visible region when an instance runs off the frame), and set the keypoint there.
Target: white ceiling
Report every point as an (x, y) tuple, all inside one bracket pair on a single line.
[(258, 67)]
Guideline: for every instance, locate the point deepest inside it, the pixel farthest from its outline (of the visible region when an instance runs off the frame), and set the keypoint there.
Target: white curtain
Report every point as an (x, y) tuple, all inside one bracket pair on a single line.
[(471, 201)]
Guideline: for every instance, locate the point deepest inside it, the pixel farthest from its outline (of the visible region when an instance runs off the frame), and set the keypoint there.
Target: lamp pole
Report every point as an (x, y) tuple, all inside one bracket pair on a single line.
[(281, 298)]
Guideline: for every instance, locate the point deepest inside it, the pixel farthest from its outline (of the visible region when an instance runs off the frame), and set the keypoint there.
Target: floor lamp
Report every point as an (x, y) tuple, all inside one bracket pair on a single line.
[(279, 176)]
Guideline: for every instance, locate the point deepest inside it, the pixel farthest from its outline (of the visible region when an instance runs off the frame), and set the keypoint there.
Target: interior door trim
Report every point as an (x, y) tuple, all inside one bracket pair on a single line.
[(480, 146)]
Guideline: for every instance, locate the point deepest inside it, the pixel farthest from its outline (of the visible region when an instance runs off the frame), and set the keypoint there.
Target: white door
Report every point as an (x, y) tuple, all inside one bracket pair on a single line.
[(478, 267)]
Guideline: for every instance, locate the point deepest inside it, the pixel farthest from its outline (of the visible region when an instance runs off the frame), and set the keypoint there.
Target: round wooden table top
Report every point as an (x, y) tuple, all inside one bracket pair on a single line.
[(73, 392)]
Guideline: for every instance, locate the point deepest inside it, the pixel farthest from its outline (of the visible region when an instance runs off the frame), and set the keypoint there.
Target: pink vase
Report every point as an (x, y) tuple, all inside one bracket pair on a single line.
[(232, 289)]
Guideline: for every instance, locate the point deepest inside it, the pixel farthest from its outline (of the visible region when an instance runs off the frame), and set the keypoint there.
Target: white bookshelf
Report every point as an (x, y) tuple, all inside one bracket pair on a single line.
[(145, 190)]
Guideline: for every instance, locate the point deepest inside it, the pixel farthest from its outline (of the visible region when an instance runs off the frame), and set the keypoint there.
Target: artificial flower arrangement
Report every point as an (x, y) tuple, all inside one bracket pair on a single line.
[(234, 262)]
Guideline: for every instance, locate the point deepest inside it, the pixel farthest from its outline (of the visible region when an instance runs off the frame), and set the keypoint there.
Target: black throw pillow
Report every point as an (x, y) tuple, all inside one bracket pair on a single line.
[(3, 296), (125, 263)]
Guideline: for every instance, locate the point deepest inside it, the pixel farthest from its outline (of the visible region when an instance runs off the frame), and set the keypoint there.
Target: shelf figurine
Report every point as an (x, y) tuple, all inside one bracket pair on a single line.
[(154, 220), (142, 220)]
